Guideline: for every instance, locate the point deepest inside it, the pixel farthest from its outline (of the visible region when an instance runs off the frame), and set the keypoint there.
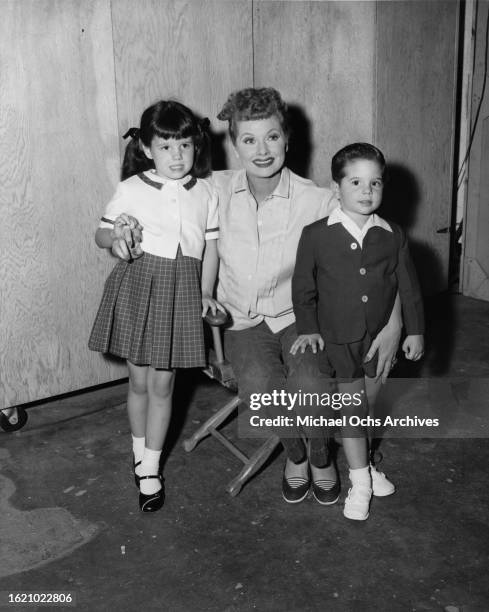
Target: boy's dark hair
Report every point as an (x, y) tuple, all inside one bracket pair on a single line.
[(253, 103), (352, 152), (167, 119)]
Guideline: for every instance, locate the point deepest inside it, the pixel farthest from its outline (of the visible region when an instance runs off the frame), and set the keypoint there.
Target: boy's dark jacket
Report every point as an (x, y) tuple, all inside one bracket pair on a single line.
[(342, 290)]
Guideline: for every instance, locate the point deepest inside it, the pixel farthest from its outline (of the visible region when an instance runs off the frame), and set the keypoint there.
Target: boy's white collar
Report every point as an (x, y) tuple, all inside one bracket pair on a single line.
[(338, 216)]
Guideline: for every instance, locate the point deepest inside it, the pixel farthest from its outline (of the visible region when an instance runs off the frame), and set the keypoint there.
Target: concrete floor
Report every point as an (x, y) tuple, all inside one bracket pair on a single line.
[(70, 519)]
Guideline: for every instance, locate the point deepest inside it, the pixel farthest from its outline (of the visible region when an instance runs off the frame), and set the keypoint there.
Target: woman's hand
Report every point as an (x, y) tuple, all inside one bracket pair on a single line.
[(413, 347), (386, 343), (305, 340), (209, 303)]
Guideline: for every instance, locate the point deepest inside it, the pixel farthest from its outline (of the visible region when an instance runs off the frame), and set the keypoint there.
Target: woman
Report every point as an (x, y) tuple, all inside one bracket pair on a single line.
[(262, 211)]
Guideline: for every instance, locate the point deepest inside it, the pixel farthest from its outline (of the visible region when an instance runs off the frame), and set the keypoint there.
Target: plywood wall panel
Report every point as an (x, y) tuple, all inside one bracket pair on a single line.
[(476, 240), (76, 75), (193, 51), (415, 123), (320, 56), (58, 161)]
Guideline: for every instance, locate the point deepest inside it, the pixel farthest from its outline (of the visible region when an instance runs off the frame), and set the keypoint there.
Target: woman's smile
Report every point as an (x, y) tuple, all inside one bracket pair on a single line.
[(264, 163)]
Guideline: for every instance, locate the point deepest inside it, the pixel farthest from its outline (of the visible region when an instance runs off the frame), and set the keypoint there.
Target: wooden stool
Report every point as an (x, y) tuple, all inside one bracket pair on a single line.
[(220, 369)]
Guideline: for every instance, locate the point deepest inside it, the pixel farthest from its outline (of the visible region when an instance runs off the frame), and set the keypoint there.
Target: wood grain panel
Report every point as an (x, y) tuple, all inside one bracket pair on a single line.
[(476, 242), (320, 56), (59, 161), (415, 124), (193, 51)]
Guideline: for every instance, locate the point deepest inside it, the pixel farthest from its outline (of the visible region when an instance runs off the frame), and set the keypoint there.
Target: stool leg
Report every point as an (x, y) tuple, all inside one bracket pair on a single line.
[(253, 465), (216, 339), (221, 415)]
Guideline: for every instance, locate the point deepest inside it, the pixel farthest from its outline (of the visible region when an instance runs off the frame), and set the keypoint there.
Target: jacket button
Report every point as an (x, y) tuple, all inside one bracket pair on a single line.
[(364, 298), (363, 271), (353, 246)]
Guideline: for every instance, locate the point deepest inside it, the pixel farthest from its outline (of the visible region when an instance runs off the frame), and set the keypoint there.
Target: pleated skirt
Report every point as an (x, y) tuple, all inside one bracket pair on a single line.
[(150, 313)]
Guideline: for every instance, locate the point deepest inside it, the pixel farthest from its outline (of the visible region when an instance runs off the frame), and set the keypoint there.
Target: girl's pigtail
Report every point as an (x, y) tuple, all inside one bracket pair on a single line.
[(202, 163), (135, 161)]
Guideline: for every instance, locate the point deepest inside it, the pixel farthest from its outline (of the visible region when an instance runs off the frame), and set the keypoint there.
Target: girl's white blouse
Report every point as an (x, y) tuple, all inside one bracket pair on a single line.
[(173, 212)]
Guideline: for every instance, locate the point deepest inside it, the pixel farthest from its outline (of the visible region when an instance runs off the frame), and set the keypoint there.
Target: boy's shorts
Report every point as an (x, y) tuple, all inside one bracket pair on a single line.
[(346, 361)]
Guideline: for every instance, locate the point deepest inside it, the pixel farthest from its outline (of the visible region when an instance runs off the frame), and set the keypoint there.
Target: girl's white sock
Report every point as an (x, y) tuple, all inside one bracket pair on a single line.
[(361, 476), (150, 466), (138, 448)]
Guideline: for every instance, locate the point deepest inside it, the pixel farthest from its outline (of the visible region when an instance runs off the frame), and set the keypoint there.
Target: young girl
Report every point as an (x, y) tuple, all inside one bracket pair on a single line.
[(160, 222)]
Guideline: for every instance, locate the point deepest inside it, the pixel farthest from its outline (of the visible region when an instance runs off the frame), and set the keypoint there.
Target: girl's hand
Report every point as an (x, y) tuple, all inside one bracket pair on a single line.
[(127, 229), (125, 220), (413, 347), (305, 340), (209, 303), (120, 249)]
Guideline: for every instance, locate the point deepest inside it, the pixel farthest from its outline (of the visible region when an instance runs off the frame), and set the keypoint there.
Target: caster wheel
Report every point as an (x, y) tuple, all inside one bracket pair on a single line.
[(6, 422)]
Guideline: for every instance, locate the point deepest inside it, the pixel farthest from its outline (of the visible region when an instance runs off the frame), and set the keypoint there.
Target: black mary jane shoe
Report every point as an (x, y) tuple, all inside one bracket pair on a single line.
[(136, 477), (153, 501), (295, 488)]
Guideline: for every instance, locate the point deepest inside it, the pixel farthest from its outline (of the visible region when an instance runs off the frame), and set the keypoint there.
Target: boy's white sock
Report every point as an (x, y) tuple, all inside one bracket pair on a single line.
[(361, 476), (358, 499), (150, 466)]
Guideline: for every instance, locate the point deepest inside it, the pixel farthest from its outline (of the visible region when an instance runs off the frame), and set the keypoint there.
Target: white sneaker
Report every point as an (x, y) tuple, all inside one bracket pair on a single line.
[(381, 485), (357, 502)]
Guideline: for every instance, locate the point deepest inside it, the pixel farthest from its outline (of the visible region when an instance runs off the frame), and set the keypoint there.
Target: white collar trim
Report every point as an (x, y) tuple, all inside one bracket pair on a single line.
[(338, 216)]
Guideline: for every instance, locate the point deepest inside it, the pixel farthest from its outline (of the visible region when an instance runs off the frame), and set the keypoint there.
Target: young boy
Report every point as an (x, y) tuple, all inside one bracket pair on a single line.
[(348, 271)]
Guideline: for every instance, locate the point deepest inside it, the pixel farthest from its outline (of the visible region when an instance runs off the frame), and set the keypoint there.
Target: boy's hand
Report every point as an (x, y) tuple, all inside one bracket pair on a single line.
[(209, 303), (413, 347), (305, 340)]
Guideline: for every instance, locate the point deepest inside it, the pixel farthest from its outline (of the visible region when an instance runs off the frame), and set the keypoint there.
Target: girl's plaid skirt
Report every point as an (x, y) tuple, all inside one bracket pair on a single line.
[(151, 313)]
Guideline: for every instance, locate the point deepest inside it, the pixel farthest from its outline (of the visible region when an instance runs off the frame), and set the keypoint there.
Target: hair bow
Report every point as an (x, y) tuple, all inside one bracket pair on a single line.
[(133, 133)]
